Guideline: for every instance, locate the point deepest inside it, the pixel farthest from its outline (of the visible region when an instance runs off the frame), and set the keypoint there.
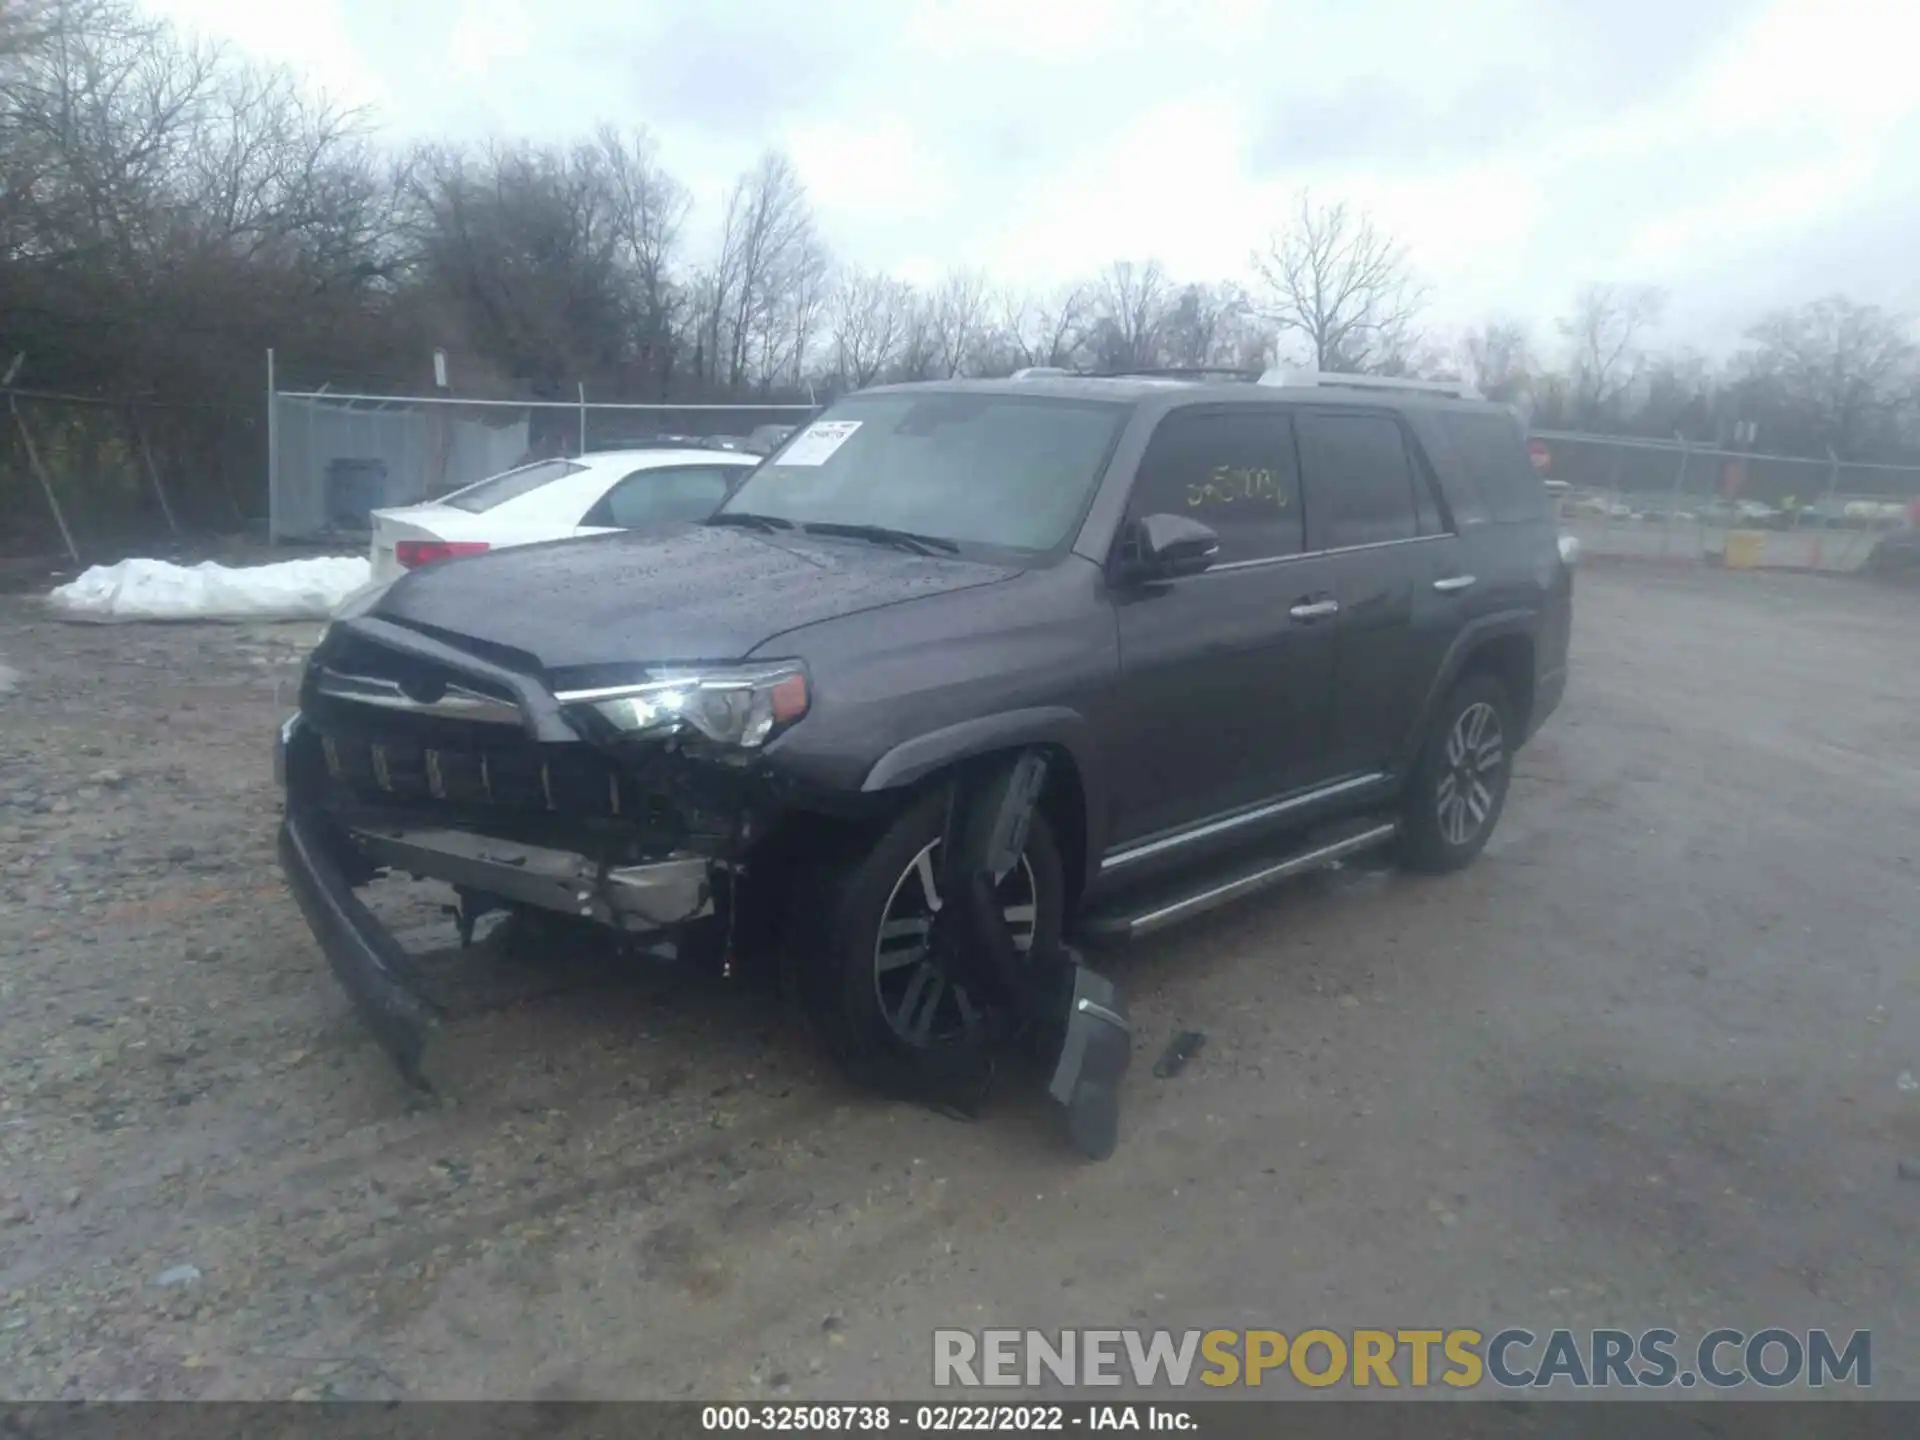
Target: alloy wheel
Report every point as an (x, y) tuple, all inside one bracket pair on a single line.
[(1476, 749), (921, 1006)]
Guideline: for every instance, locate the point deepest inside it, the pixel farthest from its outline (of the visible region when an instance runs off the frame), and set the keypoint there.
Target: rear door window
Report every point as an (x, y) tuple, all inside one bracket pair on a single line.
[(1492, 451), (1360, 481), (1234, 471), (510, 485), (664, 494)]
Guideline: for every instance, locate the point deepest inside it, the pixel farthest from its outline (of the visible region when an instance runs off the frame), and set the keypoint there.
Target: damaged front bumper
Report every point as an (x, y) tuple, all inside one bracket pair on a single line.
[(327, 854), (635, 899), (376, 973)]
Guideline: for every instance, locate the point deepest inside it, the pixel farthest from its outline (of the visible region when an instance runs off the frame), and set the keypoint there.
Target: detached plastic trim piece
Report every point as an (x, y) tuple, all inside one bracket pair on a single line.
[(367, 960)]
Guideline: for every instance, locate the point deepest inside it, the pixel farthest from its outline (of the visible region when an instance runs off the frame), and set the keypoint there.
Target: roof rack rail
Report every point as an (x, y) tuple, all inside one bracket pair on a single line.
[(1458, 389), (1165, 373), (1177, 372)]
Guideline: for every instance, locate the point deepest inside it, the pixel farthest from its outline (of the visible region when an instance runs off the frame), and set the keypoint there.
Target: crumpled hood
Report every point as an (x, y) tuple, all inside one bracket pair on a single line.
[(688, 593)]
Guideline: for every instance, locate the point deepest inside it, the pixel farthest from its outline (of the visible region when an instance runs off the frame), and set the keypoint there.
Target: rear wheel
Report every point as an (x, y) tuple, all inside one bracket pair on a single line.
[(1459, 785), (885, 1006)]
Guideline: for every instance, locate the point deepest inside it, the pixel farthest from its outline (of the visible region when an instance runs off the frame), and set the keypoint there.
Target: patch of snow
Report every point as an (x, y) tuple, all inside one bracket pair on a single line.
[(160, 590), (9, 677)]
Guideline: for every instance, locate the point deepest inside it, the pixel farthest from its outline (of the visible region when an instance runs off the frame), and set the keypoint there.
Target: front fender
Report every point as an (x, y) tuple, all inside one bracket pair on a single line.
[(1054, 726), (919, 757)]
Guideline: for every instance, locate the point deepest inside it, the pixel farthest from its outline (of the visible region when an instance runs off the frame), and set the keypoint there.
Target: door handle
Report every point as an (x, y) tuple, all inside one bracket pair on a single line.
[(1315, 609), (1453, 583)]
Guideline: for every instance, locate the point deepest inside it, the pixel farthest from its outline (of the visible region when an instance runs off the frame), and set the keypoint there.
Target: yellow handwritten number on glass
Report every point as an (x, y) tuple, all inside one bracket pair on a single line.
[(1228, 484)]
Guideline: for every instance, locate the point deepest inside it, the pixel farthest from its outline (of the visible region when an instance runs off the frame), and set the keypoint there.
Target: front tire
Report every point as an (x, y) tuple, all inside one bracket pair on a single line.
[(1459, 785), (886, 1012)]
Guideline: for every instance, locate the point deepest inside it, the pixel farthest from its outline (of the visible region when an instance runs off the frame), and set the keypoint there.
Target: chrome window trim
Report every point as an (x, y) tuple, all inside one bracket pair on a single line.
[(1319, 554)]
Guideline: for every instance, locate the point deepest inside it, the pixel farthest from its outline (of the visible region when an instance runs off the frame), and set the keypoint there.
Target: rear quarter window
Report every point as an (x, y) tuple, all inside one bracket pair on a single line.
[(664, 494), (511, 485), (1492, 452)]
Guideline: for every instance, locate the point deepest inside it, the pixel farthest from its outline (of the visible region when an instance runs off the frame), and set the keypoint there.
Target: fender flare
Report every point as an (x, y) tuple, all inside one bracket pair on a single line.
[(919, 757), (1471, 637)]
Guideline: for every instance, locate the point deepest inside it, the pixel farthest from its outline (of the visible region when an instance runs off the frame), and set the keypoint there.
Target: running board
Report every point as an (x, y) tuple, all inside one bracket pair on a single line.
[(1169, 904)]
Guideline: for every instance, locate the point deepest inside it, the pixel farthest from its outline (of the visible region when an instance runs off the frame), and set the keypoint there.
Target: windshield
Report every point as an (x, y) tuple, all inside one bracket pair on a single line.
[(1005, 471)]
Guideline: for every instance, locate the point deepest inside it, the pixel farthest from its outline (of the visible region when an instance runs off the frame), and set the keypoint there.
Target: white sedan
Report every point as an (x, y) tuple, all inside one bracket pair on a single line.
[(553, 499)]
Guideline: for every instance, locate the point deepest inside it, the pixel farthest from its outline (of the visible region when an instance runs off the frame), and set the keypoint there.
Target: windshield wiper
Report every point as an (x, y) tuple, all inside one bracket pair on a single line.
[(885, 535), (750, 520)]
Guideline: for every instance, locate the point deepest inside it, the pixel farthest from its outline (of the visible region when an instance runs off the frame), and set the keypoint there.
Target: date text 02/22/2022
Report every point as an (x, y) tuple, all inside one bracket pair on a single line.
[(946, 1418)]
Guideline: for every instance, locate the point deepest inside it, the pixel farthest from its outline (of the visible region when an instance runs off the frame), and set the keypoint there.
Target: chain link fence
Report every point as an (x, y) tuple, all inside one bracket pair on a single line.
[(336, 457), (1651, 499), (83, 475), (77, 473)]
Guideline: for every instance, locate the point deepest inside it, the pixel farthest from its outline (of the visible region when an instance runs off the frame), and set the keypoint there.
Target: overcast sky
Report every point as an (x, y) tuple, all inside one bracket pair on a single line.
[(1742, 154)]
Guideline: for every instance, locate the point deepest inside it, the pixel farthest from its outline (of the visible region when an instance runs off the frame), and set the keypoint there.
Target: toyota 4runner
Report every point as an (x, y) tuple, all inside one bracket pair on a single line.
[(1252, 627)]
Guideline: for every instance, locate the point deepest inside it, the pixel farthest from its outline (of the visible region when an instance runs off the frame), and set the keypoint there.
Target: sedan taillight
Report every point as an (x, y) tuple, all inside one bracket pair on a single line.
[(412, 554)]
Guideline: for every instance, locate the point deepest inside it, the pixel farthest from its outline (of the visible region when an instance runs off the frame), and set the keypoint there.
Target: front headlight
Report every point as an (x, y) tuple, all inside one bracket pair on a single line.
[(743, 705)]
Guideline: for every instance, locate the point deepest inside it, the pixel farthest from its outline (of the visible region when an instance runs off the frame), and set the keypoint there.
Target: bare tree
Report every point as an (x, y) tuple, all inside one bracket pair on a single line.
[(102, 108), (1131, 306), (866, 321), (1339, 283), (1210, 325), (1405, 349), (165, 209), (802, 311), (918, 355), (144, 178), (1497, 358), (1841, 370), (1680, 393), (959, 319), (26, 25), (1045, 330), (520, 250), (1606, 331), (787, 330), (648, 209), (768, 236)]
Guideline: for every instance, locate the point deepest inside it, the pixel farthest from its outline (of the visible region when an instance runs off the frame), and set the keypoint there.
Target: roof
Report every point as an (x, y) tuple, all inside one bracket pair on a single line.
[(648, 455), (1117, 388), (1134, 389)]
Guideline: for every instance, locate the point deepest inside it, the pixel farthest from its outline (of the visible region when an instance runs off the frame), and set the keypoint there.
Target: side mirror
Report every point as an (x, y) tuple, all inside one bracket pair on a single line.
[(1164, 547)]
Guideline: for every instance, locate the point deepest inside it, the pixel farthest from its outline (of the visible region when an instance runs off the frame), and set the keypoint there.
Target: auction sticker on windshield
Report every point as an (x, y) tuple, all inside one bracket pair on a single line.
[(815, 445)]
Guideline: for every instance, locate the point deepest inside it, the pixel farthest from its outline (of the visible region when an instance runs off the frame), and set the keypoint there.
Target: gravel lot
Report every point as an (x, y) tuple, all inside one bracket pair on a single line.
[(1640, 1066)]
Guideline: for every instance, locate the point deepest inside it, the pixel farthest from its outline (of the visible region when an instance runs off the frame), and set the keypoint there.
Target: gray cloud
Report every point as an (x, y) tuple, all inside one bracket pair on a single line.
[(737, 69), (1521, 147), (1574, 63), (1373, 119)]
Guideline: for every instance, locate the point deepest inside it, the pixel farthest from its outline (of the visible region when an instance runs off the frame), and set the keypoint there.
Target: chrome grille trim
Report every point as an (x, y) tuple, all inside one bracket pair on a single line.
[(455, 702)]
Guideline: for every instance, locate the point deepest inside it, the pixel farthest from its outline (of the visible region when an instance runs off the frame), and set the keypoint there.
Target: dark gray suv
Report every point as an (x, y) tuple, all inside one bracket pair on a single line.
[(1253, 626)]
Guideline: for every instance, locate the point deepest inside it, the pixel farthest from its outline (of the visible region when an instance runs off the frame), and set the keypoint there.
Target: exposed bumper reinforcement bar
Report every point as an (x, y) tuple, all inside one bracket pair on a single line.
[(630, 898)]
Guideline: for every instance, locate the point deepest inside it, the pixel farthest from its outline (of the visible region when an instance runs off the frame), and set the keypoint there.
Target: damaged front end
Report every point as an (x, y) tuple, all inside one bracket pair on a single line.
[(630, 802)]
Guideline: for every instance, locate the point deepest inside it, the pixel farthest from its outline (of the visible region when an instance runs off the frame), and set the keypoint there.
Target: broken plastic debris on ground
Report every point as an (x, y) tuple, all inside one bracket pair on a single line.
[(308, 589)]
